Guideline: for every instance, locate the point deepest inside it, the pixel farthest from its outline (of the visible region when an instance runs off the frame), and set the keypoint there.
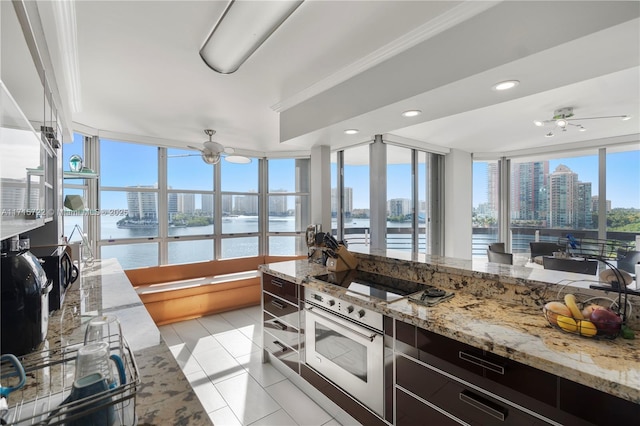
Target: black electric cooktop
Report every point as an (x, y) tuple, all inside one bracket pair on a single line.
[(375, 285)]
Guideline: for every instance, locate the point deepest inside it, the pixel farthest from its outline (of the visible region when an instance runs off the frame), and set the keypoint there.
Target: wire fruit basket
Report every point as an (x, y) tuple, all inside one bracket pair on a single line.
[(606, 324), (45, 397)]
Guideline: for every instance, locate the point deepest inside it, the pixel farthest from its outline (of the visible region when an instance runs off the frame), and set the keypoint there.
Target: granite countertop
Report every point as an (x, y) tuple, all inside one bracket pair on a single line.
[(164, 396), (496, 309)]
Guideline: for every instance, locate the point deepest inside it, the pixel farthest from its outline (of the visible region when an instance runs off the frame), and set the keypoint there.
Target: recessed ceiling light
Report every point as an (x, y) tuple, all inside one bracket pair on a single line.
[(626, 117), (351, 131), (411, 113), (538, 123), (506, 85)]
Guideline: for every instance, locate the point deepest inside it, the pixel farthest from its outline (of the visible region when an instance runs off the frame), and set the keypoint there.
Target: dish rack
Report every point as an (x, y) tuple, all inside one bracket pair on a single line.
[(50, 376)]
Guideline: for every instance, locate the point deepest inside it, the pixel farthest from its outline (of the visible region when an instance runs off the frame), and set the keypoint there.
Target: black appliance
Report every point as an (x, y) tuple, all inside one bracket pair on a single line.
[(60, 269), (370, 284), (25, 303)]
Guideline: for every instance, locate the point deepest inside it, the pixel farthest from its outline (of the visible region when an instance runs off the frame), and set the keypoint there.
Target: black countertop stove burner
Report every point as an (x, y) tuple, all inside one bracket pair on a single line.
[(382, 287)]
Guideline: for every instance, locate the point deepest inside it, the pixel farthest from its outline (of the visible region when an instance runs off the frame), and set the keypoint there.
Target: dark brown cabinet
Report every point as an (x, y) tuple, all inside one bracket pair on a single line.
[(479, 387), (281, 320)]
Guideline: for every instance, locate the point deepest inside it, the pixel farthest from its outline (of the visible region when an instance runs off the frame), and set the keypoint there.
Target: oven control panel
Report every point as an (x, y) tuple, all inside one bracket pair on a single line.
[(348, 309)]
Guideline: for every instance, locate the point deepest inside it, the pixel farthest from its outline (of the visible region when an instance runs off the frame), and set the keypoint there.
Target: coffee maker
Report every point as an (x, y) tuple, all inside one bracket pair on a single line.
[(25, 303)]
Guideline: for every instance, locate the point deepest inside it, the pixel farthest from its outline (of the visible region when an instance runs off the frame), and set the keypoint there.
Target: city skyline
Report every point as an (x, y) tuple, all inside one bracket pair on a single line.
[(623, 177)]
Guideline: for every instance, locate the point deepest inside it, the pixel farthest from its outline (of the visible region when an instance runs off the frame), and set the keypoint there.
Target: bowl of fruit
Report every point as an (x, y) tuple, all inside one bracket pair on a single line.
[(585, 319)]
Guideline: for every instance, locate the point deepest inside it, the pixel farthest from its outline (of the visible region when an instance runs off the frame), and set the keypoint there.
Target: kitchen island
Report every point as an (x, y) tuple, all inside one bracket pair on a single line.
[(497, 309), (164, 396)]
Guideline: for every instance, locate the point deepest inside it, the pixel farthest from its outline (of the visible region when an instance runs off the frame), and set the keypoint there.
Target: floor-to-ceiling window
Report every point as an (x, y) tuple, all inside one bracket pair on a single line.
[(403, 187), (623, 194), (400, 198), (129, 189), (190, 207), (240, 209), (556, 196), (287, 205), (355, 196), (485, 206)]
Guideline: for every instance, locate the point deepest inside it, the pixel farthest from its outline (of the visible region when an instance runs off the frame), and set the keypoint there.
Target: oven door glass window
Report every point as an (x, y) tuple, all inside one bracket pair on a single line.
[(348, 354)]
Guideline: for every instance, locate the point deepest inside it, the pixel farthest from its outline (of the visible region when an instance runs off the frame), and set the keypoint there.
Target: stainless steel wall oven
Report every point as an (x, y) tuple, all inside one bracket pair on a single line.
[(345, 344)]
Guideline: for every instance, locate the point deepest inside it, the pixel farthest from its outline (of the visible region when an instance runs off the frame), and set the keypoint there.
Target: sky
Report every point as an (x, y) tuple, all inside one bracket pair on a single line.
[(138, 165)]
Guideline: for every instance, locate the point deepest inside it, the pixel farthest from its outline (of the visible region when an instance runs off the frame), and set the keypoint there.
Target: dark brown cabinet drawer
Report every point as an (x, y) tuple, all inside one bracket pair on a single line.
[(412, 412), (280, 287), (596, 407), (279, 307), (458, 399), (461, 359)]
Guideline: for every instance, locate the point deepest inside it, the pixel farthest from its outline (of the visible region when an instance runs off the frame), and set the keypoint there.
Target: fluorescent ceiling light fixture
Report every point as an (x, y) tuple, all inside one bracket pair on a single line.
[(238, 159), (505, 85), (411, 113), (242, 28), (64, 13), (351, 131)]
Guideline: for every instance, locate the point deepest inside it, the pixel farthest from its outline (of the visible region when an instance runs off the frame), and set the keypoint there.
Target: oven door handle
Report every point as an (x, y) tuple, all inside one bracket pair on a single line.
[(370, 337)]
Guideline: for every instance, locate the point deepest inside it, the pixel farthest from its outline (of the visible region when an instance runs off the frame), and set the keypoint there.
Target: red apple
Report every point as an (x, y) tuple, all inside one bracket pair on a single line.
[(606, 321), (588, 310)]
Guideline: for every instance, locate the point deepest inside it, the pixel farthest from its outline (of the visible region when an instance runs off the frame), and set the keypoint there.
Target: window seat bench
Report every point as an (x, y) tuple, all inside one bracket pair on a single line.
[(174, 293)]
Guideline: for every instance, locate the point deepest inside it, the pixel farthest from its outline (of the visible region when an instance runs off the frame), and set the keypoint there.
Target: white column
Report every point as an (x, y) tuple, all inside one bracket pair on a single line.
[(458, 195), (320, 186)]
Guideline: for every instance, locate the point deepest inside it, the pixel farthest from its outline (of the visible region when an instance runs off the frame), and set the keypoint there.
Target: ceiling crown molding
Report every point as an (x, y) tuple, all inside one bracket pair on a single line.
[(449, 19)]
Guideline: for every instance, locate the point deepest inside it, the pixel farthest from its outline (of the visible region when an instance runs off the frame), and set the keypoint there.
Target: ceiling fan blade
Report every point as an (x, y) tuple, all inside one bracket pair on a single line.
[(193, 147), (213, 146), (228, 150), (182, 155)]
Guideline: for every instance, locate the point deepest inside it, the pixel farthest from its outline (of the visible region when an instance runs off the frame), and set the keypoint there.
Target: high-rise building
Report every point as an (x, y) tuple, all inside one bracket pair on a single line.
[(594, 204), (142, 205), (529, 198), (172, 206), (562, 197), (186, 203), (246, 205), (493, 194), (398, 207), (348, 201), (207, 203), (583, 216), (278, 203)]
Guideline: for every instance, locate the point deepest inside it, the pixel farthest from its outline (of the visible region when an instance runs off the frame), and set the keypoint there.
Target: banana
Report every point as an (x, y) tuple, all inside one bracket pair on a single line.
[(570, 301)]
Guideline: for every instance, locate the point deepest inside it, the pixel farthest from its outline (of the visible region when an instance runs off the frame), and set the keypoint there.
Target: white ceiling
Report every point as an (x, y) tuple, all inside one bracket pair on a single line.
[(343, 64)]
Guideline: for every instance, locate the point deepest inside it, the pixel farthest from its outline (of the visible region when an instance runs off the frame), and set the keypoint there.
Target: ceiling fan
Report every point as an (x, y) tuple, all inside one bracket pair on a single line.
[(211, 152), (563, 117)]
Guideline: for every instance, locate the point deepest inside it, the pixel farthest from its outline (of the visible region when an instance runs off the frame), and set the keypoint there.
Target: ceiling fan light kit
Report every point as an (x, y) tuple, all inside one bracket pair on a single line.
[(212, 152), (562, 118)]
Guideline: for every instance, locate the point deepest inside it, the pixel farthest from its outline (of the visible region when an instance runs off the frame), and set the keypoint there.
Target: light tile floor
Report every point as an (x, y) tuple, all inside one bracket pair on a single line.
[(221, 357)]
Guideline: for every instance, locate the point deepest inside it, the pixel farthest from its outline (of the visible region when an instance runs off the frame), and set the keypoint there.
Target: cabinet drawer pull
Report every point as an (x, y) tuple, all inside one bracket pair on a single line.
[(280, 325), (473, 359), (282, 347), (277, 282), (494, 410), (277, 304)]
